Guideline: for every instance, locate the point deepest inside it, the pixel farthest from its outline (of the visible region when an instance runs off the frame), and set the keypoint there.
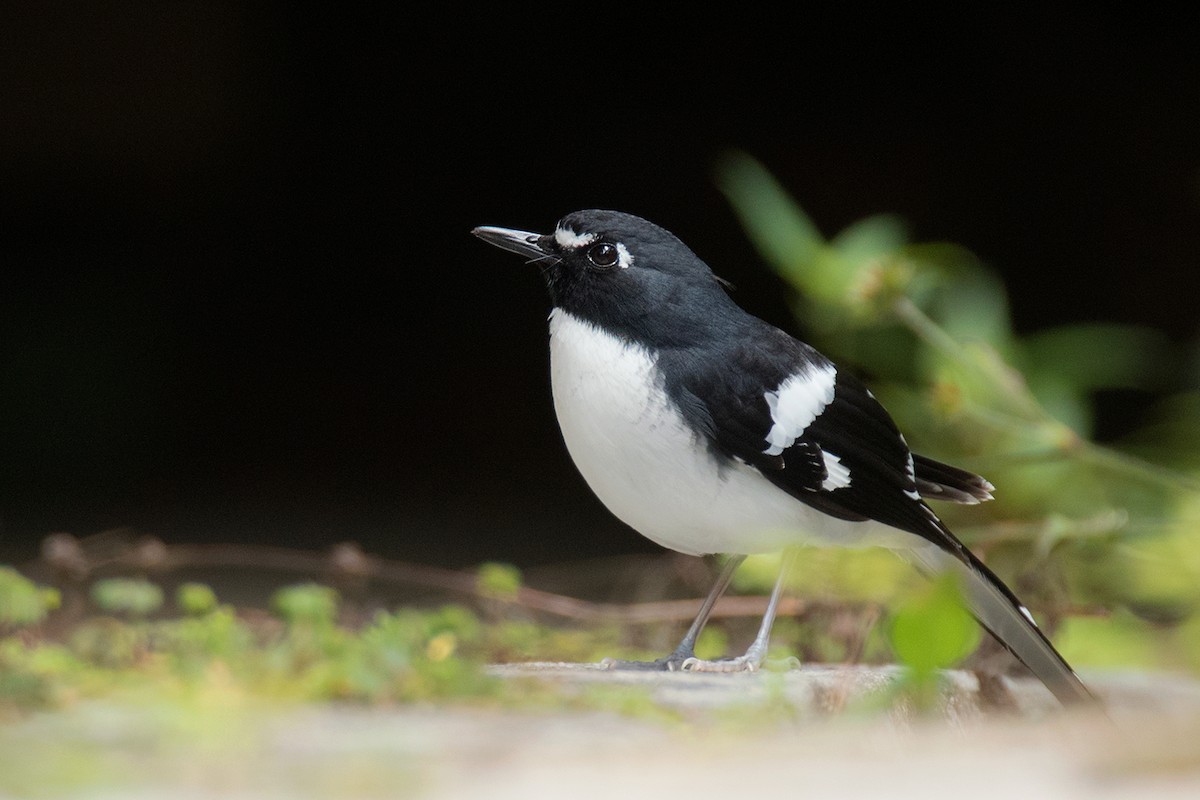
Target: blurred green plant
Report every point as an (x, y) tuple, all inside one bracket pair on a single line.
[(195, 599), (132, 597), (300, 652), (930, 631), (23, 602), (1076, 523), (499, 581), (306, 605)]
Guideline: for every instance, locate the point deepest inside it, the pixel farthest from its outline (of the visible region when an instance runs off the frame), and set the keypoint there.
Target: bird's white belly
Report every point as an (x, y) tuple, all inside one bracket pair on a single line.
[(654, 473)]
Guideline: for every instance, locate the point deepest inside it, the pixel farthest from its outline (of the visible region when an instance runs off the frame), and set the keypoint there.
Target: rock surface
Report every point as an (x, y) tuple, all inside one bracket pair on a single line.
[(809, 732)]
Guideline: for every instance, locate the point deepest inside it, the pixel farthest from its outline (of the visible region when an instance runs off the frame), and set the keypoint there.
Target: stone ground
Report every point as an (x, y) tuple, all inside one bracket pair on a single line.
[(809, 732)]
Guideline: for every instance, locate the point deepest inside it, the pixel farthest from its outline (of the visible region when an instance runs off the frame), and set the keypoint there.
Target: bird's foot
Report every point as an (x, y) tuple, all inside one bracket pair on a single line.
[(746, 663), (750, 662), (686, 662)]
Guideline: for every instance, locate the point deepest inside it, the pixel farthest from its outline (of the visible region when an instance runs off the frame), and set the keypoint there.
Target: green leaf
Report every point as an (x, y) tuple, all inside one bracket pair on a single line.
[(932, 630), (872, 237), (775, 223), (972, 306), (1062, 399)]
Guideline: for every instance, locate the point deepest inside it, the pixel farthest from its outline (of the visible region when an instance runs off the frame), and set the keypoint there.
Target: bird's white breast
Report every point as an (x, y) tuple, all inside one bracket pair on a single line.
[(653, 472)]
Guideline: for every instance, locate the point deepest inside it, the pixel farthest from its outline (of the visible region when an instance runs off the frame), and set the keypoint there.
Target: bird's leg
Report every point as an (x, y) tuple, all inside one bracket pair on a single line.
[(757, 653), (686, 650)]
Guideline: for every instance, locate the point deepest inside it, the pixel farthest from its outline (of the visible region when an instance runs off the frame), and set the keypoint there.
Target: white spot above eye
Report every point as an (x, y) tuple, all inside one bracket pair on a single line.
[(837, 473), (796, 403), (570, 240), (624, 257)]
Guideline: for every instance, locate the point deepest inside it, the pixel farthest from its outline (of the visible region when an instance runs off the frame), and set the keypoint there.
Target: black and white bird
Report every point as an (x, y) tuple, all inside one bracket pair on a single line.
[(708, 430)]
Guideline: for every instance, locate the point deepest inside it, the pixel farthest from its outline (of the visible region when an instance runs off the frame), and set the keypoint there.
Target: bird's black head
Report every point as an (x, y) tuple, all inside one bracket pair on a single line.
[(623, 273)]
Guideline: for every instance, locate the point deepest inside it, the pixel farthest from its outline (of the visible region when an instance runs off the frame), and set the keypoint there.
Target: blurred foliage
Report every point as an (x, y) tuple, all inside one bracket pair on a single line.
[(22, 602), (499, 581), (872, 576), (931, 631), (196, 599), (302, 651), (1112, 529), (133, 597), (307, 604)]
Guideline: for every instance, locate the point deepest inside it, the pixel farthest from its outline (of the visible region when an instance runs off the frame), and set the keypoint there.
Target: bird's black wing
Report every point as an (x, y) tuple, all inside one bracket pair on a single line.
[(744, 415), (881, 480)]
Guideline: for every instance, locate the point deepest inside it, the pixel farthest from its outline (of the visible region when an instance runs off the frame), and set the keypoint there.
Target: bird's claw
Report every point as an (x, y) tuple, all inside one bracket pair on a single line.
[(739, 664)]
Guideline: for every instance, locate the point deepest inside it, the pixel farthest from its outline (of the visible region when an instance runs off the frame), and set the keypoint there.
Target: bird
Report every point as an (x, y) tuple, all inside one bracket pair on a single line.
[(712, 432)]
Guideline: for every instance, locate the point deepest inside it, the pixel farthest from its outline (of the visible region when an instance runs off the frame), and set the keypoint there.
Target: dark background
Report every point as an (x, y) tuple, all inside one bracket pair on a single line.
[(239, 300)]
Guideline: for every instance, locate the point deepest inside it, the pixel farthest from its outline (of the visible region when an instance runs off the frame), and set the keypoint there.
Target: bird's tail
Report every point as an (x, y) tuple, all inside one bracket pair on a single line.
[(938, 481), (1002, 614)]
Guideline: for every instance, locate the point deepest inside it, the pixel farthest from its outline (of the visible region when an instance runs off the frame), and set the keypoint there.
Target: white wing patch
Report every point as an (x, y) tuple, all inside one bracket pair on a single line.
[(837, 473), (796, 403), (910, 470), (570, 240)]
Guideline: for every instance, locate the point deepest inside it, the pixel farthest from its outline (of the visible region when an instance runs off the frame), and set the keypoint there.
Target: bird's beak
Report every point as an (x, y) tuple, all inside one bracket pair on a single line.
[(522, 243)]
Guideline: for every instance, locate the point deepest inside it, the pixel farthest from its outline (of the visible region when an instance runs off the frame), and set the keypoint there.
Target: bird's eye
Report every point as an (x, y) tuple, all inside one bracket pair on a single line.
[(603, 254)]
